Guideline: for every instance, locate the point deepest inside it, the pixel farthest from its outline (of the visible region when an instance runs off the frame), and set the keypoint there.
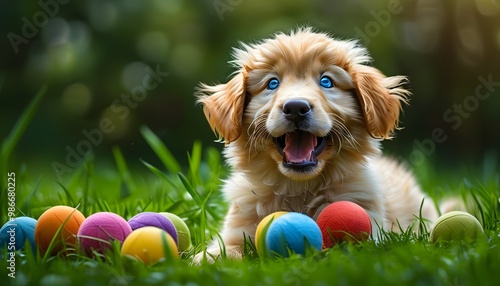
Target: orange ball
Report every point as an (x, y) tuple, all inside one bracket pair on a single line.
[(344, 221), (59, 224)]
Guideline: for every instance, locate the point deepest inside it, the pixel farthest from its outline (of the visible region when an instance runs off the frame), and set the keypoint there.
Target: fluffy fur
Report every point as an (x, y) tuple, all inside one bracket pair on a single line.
[(345, 122)]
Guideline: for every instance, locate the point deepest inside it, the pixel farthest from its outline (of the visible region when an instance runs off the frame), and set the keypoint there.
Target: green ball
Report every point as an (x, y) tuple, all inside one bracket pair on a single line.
[(456, 226), (183, 234)]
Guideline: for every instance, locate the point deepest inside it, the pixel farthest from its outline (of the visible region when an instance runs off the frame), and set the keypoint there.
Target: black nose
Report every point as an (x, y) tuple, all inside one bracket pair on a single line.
[(296, 109)]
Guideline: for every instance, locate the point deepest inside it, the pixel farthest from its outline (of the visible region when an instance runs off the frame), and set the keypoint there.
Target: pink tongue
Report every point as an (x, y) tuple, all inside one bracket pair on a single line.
[(299, 146)]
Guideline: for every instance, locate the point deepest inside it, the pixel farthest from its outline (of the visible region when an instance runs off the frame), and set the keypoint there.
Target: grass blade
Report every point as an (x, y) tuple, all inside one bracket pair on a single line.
[(158, 173), (22, 123), (189, 188), (194, 160), (26, 205), (202, 203), (161, 150), (121, 164), (69, 198), (17, 131)]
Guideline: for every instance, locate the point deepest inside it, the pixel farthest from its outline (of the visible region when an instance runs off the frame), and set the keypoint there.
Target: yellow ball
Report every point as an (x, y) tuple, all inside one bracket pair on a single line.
[(150, 244), (454, 226), (260, 233)]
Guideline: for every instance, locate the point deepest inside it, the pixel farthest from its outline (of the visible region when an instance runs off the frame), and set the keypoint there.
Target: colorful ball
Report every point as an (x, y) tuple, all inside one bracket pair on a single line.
[(456, 226), (153, 219), (183, 234), (261, 231), (100, 229), (150, 244), (14, 233), (344, 221), (293, 232), (62, 221)]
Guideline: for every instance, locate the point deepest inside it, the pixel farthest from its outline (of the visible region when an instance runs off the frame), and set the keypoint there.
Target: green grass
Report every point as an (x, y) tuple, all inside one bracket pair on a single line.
[(192, 192)]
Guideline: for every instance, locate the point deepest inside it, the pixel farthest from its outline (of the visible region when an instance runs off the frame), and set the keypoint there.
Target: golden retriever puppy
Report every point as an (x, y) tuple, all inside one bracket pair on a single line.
[(302, 119)]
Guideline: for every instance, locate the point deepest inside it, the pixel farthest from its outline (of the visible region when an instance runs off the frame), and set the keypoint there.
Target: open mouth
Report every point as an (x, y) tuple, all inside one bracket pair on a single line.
[(300, 149)]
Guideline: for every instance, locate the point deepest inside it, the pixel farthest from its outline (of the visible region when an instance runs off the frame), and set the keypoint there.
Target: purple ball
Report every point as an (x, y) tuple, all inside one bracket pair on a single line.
[(99, 229), (153, 219)]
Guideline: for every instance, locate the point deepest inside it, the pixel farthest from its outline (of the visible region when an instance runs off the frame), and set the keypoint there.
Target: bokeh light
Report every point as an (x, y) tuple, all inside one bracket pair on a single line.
[(102, 15), (91, 53), (76, 99), (185, 59), (132, 75), (152, 46)]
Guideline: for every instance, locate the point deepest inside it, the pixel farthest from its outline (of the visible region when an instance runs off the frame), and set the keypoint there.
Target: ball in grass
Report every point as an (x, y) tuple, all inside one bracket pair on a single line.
[(261, 231), (150, 244), (183, 233), (99, 230), (343, 221), (153, 219), (456, 226), (61, 224), (16, 232), (293, 232)]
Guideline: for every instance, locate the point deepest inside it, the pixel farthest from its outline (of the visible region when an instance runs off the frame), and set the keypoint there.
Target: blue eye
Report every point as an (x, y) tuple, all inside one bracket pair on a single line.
[(273, 84), (326, 82)]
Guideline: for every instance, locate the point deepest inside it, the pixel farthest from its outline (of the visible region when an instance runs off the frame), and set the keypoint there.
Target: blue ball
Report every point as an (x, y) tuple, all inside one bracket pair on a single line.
[(295, 232), (14, 233)]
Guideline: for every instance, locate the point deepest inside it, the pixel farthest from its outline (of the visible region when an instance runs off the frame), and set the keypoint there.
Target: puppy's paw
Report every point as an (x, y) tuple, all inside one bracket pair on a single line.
[(213, 254)]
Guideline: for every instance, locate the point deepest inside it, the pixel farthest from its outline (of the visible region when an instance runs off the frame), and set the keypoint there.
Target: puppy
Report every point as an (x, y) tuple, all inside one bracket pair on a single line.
[(302, 119)]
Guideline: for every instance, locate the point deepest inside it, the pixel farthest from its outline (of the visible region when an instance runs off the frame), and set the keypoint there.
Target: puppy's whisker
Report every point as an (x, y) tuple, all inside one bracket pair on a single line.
[(326, 183), (344, 132), (257, 133), (256, 122), (339, 147)]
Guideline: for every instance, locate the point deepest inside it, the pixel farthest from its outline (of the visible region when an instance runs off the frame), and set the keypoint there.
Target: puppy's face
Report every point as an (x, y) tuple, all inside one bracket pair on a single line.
[(300, 109), (303, 101)]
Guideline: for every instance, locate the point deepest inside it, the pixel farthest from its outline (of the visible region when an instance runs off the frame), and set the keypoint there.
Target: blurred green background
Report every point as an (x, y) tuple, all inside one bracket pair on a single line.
[(92, 54)]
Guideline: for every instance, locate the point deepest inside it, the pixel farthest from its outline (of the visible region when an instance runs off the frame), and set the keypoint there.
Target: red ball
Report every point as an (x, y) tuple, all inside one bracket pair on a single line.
[(344, 221)]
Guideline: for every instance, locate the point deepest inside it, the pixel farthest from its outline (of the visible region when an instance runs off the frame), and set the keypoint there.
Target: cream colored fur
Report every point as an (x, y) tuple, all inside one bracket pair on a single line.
[(355, 115)]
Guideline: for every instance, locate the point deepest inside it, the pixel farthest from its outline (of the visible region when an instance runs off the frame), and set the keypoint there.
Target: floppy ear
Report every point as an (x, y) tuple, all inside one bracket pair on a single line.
[(380, 98), (223, 105)]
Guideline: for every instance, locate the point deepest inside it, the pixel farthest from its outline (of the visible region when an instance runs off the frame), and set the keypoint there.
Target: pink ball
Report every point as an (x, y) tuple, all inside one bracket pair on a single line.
[(100, 229), (153, 219)]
